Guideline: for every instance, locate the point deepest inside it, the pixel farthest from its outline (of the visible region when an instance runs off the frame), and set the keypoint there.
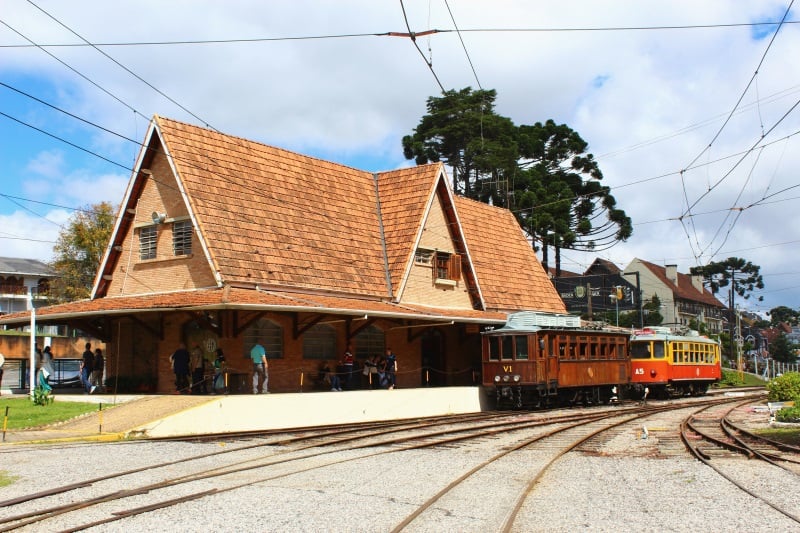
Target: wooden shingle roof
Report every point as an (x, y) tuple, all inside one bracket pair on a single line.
[(506, 266), (285, 231), (275, 217)]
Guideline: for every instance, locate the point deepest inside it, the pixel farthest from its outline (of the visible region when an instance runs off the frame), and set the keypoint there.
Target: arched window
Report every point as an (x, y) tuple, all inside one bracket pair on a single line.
[(319, 342), (269, 334), (369, 341)]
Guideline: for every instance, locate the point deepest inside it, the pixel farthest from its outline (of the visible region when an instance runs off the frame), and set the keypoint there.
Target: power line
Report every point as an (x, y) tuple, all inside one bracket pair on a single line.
[(395, 34), (126, 69), (413, 36)]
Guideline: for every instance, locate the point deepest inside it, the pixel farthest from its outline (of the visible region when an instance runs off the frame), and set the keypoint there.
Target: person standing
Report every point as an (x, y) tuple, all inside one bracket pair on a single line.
[(180, 365), (260, 369), (218, 383), (98, 367), (347, 368), (87, 365), (391, 369), (198, 365)]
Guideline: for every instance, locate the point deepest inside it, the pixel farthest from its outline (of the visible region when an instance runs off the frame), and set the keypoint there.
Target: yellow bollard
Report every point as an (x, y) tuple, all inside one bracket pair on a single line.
[(100, 416)]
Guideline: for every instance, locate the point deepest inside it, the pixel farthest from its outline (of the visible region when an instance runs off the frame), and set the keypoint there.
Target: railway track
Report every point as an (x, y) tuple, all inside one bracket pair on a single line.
[(486, 447), (721, 444)]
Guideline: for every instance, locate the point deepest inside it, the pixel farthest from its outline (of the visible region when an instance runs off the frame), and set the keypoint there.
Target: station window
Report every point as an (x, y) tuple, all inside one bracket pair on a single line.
[(148, 238), (182, 237), (269, 334), (369, 342), (319, 342)]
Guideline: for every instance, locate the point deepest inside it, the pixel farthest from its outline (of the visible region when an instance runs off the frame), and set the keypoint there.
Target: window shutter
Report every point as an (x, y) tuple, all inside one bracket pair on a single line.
[(454, 268)]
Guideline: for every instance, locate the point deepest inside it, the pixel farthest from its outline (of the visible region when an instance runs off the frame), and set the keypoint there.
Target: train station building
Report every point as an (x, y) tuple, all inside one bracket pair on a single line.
[(224, 242)]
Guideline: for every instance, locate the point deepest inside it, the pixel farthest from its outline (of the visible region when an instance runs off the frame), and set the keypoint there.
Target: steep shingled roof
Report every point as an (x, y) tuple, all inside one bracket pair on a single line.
[(277, 225), (277, 217), (510, 275)]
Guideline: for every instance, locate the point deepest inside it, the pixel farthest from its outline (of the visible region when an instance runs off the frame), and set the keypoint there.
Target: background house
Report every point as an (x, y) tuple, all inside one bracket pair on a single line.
[(683, 297)]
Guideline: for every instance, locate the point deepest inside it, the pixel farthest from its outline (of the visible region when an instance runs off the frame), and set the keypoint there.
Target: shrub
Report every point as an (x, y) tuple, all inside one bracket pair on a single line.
[(785, 388), (731, 378), (788, 414), (42, 396)]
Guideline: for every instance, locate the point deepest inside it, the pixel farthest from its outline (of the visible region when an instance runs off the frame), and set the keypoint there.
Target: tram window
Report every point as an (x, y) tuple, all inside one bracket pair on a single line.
[(521, 347), (494, 348), (640, 350), (658, 350), (508, 348)]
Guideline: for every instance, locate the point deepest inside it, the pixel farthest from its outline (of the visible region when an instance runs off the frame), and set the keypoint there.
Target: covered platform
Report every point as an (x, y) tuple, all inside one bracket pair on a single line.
[(162, 416)]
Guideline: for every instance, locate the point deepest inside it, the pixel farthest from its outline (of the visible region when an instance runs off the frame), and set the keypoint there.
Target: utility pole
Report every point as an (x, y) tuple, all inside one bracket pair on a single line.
[(589, 300), (639, 296)]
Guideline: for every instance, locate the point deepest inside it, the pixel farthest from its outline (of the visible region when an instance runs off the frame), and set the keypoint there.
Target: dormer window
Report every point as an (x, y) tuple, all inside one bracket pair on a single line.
[(447, 268)]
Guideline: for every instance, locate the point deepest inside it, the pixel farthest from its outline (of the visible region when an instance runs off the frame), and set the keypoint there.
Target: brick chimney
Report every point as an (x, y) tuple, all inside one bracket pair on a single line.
[(672, 273)]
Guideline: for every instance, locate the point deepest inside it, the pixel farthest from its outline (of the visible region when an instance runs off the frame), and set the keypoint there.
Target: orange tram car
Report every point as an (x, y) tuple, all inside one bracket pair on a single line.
[(665, 364), (541, 359)]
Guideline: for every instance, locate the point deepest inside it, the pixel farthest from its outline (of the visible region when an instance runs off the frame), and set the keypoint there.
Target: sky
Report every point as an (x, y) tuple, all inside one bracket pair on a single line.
[(691, 108)]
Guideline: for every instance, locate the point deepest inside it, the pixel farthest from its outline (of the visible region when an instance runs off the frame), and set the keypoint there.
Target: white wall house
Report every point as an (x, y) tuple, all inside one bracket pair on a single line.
[(18, 278)]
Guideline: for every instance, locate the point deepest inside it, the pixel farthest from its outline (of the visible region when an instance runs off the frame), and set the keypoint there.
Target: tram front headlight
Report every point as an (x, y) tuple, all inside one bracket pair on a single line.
[(506, 378), (497, 379), (516, 378)]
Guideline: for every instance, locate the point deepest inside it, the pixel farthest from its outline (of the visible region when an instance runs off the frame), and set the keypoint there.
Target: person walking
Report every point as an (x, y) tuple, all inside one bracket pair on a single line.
[(87, 365), (260, 369), (180, 366)]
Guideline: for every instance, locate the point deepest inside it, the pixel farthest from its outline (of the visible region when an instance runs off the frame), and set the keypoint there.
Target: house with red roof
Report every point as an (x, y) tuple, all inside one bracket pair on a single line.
[(224, 242), (683, 297)]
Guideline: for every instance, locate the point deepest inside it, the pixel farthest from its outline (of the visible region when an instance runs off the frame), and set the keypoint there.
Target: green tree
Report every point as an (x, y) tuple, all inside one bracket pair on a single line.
[(782, 350), (783, 314), (79, 250), (559, 199), (541, 172), (462, 130), (743, 277)]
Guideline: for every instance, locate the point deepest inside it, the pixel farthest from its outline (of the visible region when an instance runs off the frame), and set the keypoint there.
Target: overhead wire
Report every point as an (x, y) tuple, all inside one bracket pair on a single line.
[(690, 206), (413, 36), (245, 40), (123, 67)]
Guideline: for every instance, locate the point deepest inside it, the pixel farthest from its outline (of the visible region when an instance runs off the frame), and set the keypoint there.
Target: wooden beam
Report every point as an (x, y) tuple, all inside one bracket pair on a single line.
[(239, 328), (157, 332)]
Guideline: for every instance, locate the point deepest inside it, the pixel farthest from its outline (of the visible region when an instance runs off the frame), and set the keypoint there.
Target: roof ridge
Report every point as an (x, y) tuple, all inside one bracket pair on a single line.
[(251, 141)]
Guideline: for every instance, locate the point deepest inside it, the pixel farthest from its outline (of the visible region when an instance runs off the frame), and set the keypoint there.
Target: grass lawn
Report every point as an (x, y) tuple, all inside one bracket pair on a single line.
[(784, 435), (22, 413)]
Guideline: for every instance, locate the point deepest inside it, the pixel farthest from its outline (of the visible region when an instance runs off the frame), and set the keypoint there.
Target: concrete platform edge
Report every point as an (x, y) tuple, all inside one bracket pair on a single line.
[(226, 414)]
